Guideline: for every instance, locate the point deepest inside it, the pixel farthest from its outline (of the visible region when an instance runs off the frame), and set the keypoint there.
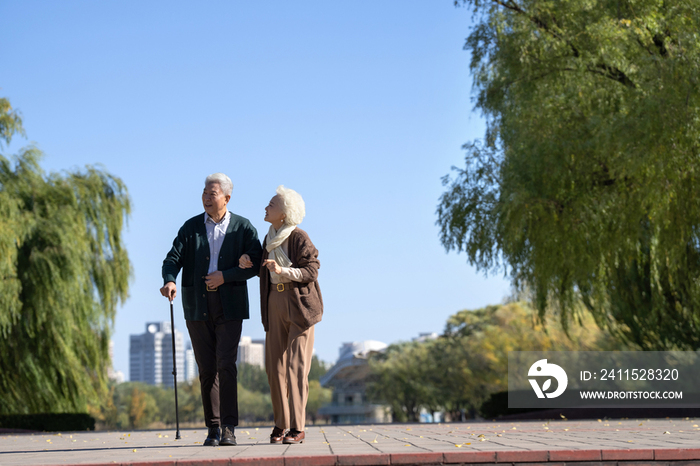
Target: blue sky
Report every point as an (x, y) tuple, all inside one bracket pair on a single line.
[(360, 106)]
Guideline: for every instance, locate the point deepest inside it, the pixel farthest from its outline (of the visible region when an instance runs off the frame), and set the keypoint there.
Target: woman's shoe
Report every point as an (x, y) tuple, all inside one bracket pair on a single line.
[(294, 436), (277, 435)]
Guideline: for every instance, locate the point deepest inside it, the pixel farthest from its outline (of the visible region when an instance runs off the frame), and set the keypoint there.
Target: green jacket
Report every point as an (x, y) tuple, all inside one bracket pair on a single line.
[(190, 252)]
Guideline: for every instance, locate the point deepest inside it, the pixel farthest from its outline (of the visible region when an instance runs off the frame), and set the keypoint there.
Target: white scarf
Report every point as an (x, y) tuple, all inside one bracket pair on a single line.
[(274, 244)]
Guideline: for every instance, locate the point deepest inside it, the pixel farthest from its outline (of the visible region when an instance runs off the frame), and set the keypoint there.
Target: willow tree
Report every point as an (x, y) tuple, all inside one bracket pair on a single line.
[(584, 188), (63, 270)]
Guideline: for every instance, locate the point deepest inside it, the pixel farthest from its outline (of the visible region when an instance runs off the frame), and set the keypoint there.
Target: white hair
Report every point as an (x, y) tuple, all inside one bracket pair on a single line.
[(292, 205), (223, 181)]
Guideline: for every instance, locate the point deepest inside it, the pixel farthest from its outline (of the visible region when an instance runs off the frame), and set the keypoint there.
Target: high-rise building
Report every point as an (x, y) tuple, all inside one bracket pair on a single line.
[(191, 369), (151, 357), (251, 352)]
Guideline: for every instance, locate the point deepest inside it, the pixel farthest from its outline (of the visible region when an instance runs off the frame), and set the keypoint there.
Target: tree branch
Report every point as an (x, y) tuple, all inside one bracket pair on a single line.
[(607, 71), (539, 22)]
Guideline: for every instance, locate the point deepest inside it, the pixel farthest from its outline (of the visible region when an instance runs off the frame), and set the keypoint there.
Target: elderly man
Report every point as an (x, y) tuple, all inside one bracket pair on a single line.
[(214, 298)]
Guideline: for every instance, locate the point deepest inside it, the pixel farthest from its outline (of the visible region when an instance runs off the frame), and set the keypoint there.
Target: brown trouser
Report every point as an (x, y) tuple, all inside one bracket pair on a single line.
[(288, 352)]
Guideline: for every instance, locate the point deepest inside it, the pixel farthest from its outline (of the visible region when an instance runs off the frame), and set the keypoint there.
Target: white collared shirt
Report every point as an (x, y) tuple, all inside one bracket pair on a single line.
[(216, 232), (289, 274)]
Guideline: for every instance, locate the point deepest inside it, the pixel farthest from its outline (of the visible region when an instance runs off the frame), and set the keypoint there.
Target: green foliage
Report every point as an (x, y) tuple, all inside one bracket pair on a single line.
[(254, 406), (318, 368), (584, 187), (137, 405), (401, 377), (142, 408), (63, 270), (460, 370), (318, 396), (253, 378), (10, 122)]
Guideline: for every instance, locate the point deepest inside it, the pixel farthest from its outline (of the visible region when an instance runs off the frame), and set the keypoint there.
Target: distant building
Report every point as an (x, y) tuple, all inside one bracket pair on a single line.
[(117, 377), (191, 369), (251, 352), (151, 357), (423, 337), (348, 378)]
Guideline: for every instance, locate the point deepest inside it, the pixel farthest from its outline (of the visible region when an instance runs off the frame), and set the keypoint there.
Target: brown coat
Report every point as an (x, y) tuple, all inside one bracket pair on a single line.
[(307, 294)]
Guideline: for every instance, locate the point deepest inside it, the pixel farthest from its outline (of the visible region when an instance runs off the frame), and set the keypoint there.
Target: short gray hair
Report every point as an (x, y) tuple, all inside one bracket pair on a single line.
[(223, 181), (292, 205)]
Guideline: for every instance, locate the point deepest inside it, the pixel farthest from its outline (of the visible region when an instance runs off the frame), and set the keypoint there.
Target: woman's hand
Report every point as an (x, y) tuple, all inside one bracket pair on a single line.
[(272, 266), (244, 262)]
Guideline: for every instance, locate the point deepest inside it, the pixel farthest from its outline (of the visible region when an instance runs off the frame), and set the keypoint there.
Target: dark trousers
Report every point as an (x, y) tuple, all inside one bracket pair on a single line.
[(215, 344)]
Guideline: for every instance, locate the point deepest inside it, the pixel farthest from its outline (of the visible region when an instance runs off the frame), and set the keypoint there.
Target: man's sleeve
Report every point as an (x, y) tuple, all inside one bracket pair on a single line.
[(253, 249), (173, 260)]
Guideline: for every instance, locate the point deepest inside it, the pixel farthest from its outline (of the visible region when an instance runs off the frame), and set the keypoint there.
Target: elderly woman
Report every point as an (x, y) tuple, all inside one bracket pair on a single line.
[(291, 303)]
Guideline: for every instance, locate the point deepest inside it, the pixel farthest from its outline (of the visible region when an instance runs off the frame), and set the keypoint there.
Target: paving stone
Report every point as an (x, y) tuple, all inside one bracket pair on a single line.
[(523, 443)]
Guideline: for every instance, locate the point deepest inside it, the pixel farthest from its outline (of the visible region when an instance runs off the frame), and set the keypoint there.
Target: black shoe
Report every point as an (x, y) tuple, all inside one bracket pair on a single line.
[(227, 437), (213, 437)]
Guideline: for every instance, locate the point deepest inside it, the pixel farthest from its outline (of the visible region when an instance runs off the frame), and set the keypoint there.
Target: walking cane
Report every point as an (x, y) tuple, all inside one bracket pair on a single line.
[(172, 332)]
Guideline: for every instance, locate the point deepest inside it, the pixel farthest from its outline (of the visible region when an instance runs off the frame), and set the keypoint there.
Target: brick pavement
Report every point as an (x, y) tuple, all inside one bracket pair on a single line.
[(556, 443)]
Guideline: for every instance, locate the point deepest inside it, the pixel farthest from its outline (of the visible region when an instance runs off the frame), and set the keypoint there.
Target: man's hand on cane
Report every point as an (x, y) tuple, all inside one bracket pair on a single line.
[(169, 290)]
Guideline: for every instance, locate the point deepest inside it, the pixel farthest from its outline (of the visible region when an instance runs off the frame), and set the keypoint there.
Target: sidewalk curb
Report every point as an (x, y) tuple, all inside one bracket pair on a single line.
[(530, 457)]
